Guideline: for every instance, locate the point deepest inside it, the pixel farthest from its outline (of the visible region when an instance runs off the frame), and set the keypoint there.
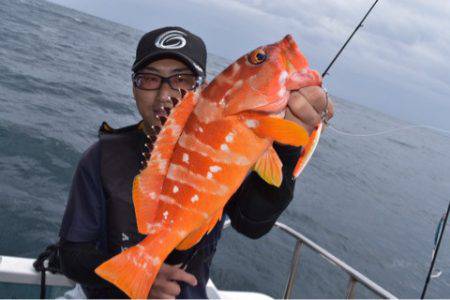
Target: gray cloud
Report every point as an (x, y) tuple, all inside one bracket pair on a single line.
[(397, 63)]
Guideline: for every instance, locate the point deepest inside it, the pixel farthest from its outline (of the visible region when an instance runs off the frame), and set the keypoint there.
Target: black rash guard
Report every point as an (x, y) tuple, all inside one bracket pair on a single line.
[(253, 210)]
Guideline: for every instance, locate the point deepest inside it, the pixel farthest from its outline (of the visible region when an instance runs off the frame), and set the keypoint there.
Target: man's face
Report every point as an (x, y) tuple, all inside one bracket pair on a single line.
[(149, 103)]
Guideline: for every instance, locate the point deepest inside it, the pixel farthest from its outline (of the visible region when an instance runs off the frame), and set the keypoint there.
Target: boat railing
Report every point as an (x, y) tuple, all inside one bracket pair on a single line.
[(20, 270), (354, 276)]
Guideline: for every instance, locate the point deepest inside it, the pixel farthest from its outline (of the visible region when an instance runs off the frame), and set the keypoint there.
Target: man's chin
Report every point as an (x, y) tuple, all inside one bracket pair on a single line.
[(148, 122)]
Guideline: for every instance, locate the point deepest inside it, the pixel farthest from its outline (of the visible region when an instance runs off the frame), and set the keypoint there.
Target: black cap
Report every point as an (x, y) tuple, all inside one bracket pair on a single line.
[(173, 42)]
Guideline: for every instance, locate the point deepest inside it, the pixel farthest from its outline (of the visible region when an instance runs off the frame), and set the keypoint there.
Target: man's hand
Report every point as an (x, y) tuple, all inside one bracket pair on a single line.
[(306, 107), (166, 286)]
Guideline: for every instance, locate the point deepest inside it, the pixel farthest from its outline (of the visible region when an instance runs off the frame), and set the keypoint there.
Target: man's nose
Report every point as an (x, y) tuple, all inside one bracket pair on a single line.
[(165, 93)]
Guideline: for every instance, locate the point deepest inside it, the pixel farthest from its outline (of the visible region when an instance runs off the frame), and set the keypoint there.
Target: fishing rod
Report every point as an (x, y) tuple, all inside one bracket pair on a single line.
[(349, 38), (427, 281)]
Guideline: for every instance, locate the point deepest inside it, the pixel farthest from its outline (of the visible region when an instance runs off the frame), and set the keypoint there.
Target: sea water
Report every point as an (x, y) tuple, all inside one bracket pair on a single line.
[(374, 202)]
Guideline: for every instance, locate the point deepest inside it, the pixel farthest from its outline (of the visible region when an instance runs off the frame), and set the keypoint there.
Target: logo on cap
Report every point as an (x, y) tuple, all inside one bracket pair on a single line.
[(173, 39)]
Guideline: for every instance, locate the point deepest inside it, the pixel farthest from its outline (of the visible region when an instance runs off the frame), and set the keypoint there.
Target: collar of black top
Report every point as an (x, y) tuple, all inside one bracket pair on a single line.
[(172, 42)]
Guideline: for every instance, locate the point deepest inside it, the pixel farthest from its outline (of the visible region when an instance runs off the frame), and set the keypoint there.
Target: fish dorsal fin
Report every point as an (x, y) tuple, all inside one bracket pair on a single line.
[(277, 129), (307, 151), (197, 235), (269, 167), (148, 184)]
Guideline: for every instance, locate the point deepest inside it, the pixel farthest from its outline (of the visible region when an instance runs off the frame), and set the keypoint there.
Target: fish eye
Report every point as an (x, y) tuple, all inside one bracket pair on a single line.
[(257, 57)]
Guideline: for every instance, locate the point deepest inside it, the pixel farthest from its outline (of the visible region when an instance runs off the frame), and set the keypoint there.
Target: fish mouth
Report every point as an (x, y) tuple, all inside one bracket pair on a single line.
[(297, 80), (274, 107), (296, 65), (303, 78)]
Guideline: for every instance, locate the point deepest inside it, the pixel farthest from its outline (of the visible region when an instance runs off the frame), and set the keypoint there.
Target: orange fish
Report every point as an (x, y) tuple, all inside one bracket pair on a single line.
[(206, 148)]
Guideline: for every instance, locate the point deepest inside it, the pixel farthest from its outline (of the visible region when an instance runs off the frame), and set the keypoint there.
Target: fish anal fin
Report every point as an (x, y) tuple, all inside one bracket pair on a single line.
[(214, 220), (197, 235), (269, 167), (277, 129), (148, 184), (307, 151)]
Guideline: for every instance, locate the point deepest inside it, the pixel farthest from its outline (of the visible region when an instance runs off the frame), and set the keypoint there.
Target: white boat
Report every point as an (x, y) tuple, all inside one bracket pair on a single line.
[(20, 270)]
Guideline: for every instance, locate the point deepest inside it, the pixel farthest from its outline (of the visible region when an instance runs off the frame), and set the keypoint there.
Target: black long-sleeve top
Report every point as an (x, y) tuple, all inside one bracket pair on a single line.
[(253, 210)]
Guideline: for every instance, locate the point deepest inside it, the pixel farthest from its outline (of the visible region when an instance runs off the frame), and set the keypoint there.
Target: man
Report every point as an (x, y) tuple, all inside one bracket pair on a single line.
[(99, 221)]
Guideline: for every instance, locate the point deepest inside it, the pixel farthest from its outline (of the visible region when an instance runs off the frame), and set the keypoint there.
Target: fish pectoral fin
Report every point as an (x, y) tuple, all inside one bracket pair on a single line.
[(307, 151), (269, 167), (197, 235), (280, 130), (148, 184)]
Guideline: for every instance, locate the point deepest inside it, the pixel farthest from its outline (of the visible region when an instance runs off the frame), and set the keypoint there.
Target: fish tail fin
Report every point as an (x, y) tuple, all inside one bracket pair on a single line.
[(134, 270), (307, 151)]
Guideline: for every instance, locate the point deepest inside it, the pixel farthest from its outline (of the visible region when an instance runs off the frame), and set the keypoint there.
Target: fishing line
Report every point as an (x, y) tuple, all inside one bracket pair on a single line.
[(341, 132)]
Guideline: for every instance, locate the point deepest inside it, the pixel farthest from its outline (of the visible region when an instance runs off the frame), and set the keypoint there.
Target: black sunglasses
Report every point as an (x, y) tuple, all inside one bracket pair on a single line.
[(151, 82)]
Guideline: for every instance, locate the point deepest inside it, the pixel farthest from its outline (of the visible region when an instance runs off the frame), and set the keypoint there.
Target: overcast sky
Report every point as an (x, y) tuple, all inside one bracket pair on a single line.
[(398, 63)]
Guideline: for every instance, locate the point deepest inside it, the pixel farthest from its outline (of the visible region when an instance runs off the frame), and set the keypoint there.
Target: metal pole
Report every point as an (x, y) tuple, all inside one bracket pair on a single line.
[(348, 40), (293, 272), (427, 281)]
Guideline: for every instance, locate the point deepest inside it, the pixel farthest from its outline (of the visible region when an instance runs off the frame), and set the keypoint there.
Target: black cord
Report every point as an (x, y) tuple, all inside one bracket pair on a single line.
[(43, 285), (50, 254), (427, 281)]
